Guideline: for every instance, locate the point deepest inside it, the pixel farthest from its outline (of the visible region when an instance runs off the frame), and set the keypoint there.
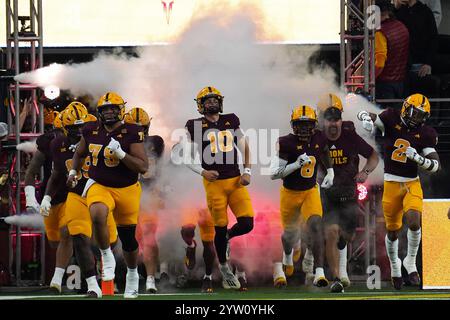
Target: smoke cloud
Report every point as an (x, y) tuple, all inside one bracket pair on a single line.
[(35, 221), (261, 83)]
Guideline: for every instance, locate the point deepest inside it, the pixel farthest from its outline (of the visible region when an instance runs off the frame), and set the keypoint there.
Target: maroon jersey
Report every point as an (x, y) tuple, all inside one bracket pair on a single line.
[(62, 161), (398, 138), (218, 143), (291, 148), (43, 145), (344, 154), (105, 168)]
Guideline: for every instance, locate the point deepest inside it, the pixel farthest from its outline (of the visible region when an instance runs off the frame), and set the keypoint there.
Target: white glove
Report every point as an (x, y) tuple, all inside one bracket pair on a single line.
[(46, 205), (328, 180), (115, 148), (303, 159), (412, 154), (367, 122), (31, 203)]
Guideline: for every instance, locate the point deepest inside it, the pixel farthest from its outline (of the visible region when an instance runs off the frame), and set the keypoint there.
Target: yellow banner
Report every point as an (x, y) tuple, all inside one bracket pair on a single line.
[(436, 244)]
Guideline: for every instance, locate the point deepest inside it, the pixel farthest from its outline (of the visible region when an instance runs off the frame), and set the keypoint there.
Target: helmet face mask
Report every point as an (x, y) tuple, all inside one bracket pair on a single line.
[(414, 117), (212, 104), (74, 131), (110, 114), (205, 105), (304, 129)]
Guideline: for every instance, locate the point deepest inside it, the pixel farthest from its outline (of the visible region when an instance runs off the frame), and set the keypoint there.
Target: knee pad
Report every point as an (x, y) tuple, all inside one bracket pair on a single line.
[(128, 238), (188, 232)]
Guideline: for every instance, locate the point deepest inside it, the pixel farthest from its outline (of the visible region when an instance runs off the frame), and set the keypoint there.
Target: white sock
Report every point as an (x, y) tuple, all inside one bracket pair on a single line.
[(319, 272), (106, 253), (392, 252), (413, 247), (308, 255), (278, 270), (92, 282), (58, 276), (343, 262), (164, 268), (150, 278), (287, 258), (207, 276), (132, 272)]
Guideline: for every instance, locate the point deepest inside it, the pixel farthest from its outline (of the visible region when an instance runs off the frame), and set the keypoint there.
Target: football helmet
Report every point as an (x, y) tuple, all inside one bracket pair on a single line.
[(205, 93), (117, 104), (57, 123), (140, 117), (73, 118), (329, 100), (304, 121), (415, 110), (90, 118)]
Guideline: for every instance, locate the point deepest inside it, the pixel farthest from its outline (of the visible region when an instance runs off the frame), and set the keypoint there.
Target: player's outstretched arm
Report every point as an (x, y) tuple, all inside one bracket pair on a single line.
[(279, 167), (370, 121), (429, 161)]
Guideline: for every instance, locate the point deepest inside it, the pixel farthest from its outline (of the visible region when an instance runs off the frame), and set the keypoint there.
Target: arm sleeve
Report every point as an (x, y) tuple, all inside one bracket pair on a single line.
[(279, 168)]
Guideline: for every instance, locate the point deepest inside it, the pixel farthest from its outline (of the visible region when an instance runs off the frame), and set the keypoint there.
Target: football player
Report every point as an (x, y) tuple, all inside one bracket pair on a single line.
[(57, 234), (340, 201), (220, 138), (409, 144), (77, 217), (296, 163), (148, 219), (117, 157)]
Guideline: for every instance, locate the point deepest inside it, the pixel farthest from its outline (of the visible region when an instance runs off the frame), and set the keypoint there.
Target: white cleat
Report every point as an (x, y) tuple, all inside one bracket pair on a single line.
[(108, 268), (308, 265), (131, 286), (94, 292), (229, 280), (345, 281), (55, 287), (150, 285)]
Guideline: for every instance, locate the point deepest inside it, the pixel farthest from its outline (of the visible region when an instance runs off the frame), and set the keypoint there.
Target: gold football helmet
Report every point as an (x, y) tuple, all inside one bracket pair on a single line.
[(415, 111), (304, 121), (107, 100), (205, 93)]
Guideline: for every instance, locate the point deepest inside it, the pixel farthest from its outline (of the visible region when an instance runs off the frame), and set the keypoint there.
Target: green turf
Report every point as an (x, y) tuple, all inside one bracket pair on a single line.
[(268, 293)]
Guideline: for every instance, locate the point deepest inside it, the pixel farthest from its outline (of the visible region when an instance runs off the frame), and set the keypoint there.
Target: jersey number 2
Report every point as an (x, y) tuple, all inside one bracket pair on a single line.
[(399, 154)]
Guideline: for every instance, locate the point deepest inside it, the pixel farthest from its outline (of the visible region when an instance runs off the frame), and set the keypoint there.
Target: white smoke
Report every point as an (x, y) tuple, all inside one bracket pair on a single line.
[(35, 221), (261, 84), (28, 147)]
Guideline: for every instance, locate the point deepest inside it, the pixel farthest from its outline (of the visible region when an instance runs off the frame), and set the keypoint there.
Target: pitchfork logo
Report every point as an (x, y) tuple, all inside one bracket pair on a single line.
[(167, 7)]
